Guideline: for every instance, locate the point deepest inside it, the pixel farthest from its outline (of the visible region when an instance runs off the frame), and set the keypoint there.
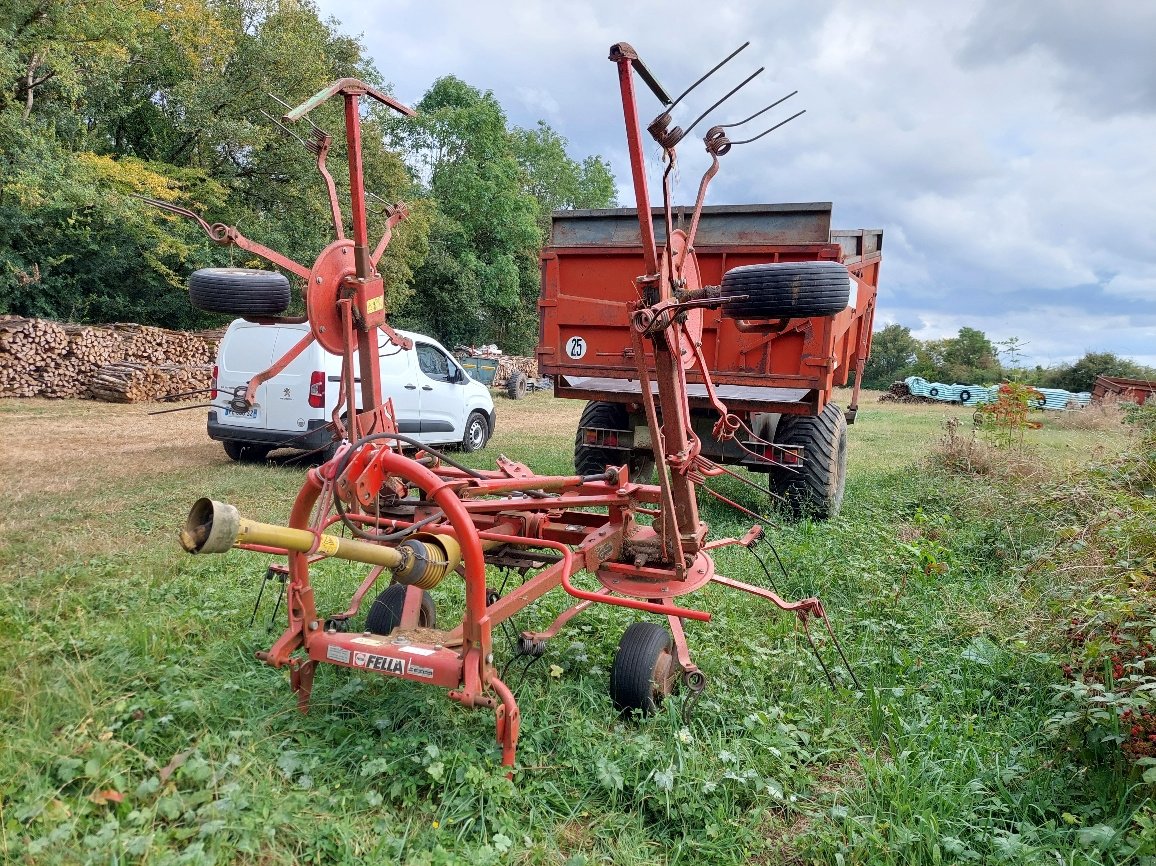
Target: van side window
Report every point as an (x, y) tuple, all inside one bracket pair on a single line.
[(434, 363)]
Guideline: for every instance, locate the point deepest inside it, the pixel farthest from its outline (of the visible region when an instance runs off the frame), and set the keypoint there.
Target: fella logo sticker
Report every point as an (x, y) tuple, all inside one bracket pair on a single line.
[(359, 659), (386, 664)]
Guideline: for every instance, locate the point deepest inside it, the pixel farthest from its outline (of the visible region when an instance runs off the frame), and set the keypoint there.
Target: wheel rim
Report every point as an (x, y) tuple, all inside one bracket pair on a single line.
[(663, 677), (477, 435)]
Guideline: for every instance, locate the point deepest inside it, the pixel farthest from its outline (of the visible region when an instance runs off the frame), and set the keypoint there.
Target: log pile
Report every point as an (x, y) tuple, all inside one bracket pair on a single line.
[(900, 393), (134, 382), (121, 362), (508, 364)]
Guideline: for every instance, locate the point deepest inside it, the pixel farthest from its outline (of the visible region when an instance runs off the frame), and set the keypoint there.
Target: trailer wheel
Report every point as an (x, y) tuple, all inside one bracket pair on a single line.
[(385, 614), (243, 291), (591, 460), (816, 489), (645, 670), (243, 452), (785, 290), (516, 385)]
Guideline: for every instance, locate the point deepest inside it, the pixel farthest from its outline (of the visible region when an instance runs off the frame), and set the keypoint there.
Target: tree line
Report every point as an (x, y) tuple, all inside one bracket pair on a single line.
[(970, 358), (102, 99)]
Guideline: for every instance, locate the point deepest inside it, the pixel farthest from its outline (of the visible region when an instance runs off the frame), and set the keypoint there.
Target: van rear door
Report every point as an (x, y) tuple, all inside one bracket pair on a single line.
[(285, 398), (246, 350)]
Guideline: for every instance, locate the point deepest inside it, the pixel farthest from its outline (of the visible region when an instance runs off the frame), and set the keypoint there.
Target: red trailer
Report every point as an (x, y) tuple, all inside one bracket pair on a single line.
[(776, 374), (1132, 390)]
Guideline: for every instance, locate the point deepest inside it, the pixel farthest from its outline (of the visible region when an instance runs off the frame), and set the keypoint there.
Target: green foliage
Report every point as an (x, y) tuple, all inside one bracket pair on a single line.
[(1005, 418), (970, 358), (893, 351), (102, 99), (494, 189), (1081, 375)]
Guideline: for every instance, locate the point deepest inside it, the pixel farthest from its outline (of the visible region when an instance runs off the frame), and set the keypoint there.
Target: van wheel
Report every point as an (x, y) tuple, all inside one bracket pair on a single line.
[(785, 290), (242, 291), (243, 452), (477, 432)]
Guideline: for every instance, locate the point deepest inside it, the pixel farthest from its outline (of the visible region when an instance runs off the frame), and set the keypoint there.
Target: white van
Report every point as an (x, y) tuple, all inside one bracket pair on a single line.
[(434, 399)]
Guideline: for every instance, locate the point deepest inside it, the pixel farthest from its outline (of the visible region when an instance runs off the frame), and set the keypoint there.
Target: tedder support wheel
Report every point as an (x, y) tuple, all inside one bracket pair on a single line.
[(816, 489), (243, 452), (785, 290), (385, 614), (591, 460), (645, 670), (516, 385), (243, 291)]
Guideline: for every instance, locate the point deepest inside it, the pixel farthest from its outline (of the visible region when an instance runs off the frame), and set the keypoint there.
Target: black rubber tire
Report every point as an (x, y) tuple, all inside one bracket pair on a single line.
[(643, 649), (243, 452), (243, 291), (385, 612), (786, 290), (591, 460), (516, 385), (477, 432), (816, 489), (933, 392), (964, 395)]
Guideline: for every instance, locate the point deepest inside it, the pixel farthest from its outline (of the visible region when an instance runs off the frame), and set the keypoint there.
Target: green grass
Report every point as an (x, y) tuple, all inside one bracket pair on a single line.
[(129, 669)]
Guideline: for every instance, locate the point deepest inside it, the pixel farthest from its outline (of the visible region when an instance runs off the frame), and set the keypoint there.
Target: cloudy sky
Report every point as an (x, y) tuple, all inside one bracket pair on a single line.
[(1007, 148)]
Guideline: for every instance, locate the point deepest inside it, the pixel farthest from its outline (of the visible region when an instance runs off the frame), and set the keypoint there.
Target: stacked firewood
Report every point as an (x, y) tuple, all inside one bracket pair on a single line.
[(134, 382), (508, 364), (40, 358)]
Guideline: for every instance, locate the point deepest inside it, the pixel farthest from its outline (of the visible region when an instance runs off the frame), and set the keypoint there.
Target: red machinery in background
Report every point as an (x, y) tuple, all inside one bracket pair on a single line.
[(426, 518), (773, 359)]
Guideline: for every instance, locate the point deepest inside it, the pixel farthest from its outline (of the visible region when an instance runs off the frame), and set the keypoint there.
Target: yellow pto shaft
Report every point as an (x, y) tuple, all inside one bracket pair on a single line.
[(423, 559)]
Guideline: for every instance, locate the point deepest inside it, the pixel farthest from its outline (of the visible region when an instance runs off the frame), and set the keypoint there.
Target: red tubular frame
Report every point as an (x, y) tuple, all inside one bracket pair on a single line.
[(507, 513)]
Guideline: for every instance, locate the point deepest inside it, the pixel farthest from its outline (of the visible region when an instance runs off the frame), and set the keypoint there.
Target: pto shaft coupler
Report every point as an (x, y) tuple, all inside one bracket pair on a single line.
[(422, 560)]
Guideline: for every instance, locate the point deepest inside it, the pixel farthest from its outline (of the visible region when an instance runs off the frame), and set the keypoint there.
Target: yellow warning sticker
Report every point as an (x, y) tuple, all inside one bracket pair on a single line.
[(374, 305), (327, 544)]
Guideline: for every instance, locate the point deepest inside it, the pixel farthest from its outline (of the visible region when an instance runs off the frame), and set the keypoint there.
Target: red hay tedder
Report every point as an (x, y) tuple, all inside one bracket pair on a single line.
[(668, 313)]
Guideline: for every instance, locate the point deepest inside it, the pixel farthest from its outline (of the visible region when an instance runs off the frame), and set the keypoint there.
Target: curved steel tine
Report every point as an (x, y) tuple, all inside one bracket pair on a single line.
[(757, 113), (287, 130), (175, 209), (739, 87), (717, 67), (772, 129), (316, 129)]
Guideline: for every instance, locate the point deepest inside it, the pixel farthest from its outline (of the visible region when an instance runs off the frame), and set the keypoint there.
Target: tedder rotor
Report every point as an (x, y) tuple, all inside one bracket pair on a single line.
[(424, 518)]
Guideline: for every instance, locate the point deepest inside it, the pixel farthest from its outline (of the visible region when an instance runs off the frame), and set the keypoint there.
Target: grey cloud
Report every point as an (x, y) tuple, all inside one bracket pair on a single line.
[(1103, 51)]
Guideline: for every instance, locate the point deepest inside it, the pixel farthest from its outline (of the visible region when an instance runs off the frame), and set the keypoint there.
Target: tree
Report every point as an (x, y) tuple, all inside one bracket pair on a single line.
[(165, 99), (1081, 375), (967, 358), (557, 181), (892, 353), (494, 189)]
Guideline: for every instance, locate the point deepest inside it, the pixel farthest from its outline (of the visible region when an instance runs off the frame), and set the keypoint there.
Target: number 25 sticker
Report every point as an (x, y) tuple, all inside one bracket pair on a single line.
[(575, 348)]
